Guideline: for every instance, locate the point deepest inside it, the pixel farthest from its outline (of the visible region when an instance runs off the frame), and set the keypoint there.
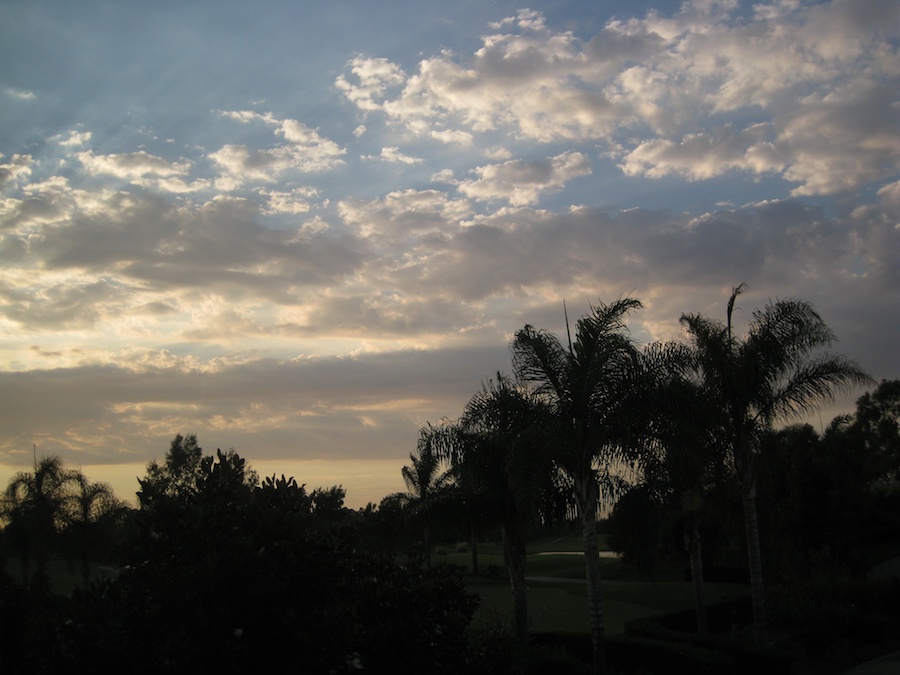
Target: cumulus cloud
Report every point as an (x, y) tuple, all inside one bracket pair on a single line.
[(522, 182), (294, 202), (306, 151), (131, 165), (392, 155), (651, 88), (76, 139), (453, 137), (18, 165), (405, 212), (120, 240), (707, 154)]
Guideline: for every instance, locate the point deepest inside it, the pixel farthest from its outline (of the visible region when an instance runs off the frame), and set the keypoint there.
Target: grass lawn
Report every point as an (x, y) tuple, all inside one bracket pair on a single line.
[(557, 601), (64, 578)]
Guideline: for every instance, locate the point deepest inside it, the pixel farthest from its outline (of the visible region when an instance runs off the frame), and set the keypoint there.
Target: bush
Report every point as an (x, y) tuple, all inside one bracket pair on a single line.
[(234, 580), (629, 655), (544, 660), (722, 617)]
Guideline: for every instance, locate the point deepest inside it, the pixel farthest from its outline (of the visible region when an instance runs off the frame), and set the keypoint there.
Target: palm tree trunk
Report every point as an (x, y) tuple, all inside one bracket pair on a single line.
[(473, 542), (25, 564), (514, 554), (592, 574), (757, 590), (694, 546), (427, 544)]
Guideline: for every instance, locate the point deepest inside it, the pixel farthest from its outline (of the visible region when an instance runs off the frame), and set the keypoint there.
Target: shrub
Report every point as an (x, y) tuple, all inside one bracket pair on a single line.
[(628, 655)]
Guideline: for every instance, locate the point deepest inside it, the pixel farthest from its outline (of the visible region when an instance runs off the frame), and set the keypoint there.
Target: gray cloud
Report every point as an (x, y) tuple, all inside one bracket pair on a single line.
[(347, 407)]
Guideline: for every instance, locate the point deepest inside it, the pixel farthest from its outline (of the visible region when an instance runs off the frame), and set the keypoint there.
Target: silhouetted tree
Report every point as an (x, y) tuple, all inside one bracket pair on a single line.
[(89, 512), (585, 383), (236, 578), (424, 479), (34, 506), (500, 445), (176, 476), (773, 372)]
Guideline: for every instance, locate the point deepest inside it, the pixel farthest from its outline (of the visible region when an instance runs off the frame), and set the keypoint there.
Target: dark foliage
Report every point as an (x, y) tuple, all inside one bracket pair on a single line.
[(224, 576)]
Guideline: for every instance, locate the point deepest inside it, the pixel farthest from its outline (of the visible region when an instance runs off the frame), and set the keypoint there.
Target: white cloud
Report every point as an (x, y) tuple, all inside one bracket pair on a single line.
[(654, 87), (21, 94), (17, 166), (393, 155), (453, 137), (403, 213), (76, 138), (705, 155), (306, 151), (294, 202), (175, 185), (522, 182), (131, 165), (372, 79), (498, 153)]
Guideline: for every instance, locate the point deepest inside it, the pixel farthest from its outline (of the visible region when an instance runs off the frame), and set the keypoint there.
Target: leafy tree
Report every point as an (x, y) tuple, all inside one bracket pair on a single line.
[(240, 578), (176, 476), (876, 427), (586, 384), (775, 371)]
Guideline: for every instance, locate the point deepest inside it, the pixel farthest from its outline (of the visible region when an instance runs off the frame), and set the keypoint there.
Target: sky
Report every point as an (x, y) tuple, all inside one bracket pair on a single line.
[(305, 230)]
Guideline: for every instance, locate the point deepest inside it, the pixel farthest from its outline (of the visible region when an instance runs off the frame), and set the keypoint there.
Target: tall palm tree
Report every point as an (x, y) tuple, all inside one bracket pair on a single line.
[(34, 505), (86, 508), (776, 370), (586, 383), (499, 444), (425, 479), (681, 460)]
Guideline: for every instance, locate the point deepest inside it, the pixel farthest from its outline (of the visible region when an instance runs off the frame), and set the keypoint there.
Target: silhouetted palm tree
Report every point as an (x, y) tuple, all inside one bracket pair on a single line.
[(85, 510), (680, 459), (34, 506), (499, 445), (587, 383), (424, 479), (775, 371)]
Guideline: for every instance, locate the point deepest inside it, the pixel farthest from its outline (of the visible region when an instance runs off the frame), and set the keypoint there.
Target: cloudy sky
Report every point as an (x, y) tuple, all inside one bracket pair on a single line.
[(303, 230)]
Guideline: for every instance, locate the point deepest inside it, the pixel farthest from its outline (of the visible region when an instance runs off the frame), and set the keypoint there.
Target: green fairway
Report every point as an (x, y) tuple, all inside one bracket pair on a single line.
[(64, 577), (562, 605), (557, 594)]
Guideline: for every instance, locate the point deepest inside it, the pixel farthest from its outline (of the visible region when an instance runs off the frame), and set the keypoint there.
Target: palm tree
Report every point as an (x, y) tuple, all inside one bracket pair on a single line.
[(424, 480), (86, 509), (499, 445), (587, 385), (681, 460), (777, 370), (34, 506)]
